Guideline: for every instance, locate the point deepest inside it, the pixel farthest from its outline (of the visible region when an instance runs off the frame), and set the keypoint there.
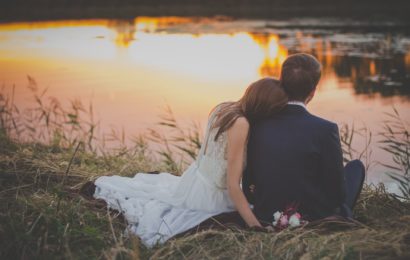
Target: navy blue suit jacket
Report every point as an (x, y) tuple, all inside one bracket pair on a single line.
[(294, 157)]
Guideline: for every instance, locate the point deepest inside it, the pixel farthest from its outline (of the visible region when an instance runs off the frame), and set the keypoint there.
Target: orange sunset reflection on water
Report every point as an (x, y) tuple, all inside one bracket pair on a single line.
[(129, 69)]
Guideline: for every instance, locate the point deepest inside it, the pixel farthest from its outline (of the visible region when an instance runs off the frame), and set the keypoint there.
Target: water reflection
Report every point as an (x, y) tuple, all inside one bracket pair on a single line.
[(371, 63), (166, 56), (126, 29), (370, 76), (375, 77), (274, 53), (125, 32), (152, 24)]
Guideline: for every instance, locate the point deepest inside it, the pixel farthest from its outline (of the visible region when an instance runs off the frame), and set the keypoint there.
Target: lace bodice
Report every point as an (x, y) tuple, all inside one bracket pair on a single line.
[(212, 159), (159, 206)]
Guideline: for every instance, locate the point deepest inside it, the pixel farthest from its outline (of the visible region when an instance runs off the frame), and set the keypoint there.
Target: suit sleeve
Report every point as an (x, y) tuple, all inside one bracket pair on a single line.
[(332, 165), (246, 183)]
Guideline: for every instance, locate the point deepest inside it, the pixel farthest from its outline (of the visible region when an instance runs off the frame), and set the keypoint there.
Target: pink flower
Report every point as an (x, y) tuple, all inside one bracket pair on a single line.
[(283, 221), (287, 218)]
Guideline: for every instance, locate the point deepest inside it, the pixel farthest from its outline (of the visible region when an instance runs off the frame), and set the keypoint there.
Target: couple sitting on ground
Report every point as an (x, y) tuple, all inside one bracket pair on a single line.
[(260, 154)]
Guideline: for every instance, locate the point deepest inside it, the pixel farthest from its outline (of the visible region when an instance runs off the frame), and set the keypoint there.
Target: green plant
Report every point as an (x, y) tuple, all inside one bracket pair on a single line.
[(180, 145)]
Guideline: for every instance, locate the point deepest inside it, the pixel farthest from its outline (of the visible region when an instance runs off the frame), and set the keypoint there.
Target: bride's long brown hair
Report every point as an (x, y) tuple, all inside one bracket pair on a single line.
[(262, 99)]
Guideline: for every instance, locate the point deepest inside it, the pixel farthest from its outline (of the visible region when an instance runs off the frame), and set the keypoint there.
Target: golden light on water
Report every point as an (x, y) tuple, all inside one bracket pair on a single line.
[(206, 55), (407, 61), (372, 68), (141, 63), (17, 26), (274, 54), (150, 24)]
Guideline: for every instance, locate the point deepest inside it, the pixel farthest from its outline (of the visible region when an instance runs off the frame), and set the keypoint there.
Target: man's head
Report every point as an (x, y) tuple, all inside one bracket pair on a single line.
[(299, 77)]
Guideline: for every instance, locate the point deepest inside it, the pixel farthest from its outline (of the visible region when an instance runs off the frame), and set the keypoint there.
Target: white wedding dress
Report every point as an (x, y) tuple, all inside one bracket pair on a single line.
[(160, 206)]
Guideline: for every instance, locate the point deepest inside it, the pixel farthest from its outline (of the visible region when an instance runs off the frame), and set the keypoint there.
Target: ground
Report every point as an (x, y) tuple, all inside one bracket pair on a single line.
[(43, 217)]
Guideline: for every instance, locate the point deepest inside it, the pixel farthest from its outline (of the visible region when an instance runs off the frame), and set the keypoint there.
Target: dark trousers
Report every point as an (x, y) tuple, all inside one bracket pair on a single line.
[(355, 174)]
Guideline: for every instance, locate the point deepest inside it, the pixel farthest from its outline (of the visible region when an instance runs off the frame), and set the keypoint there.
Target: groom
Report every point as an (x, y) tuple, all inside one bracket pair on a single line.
[(295, 157)]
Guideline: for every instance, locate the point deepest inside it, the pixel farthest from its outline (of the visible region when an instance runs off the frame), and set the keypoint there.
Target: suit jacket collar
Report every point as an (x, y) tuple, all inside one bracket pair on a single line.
[(294, 109)]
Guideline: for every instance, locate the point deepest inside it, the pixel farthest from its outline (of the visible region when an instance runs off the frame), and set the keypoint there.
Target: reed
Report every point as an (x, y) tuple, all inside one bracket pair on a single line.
[(348, 135), (47, 121), (396, 141), (180, 145)]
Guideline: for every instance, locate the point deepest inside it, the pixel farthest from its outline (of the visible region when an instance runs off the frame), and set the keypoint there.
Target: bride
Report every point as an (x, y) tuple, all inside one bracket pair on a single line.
[(160, 206)]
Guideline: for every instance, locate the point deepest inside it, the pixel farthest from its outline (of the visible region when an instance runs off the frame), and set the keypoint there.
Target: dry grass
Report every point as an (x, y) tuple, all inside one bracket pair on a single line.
[(383, 233), (43, 217), (32, 225)]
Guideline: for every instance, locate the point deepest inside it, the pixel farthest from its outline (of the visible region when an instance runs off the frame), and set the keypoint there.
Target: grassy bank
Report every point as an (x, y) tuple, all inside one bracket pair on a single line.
[(42, 216), (47, 152)]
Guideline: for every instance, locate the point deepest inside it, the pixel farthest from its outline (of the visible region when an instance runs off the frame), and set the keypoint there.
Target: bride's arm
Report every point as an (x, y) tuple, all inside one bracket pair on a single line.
[(237, 139)]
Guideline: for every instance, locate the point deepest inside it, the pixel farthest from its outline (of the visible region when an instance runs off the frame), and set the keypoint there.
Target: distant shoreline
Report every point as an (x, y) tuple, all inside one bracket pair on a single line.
[(29, 10)]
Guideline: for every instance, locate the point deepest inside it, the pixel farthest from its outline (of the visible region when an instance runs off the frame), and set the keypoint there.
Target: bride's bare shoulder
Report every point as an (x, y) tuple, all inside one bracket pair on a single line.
[(241, 123), (238, 132)]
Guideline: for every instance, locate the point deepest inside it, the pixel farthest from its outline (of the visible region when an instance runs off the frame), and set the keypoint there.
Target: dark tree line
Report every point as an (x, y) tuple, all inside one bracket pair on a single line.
[(53, 9)]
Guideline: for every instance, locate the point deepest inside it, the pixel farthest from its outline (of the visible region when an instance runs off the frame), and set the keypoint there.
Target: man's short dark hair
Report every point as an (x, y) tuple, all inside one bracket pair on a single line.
[(300, 75)]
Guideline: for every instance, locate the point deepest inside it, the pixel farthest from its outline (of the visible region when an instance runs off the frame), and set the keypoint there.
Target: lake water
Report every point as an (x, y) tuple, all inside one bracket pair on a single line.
[(131, 69)]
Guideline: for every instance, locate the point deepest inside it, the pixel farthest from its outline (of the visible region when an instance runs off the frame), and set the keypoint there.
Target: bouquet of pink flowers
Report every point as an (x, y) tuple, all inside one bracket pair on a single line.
[(288, 218)]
